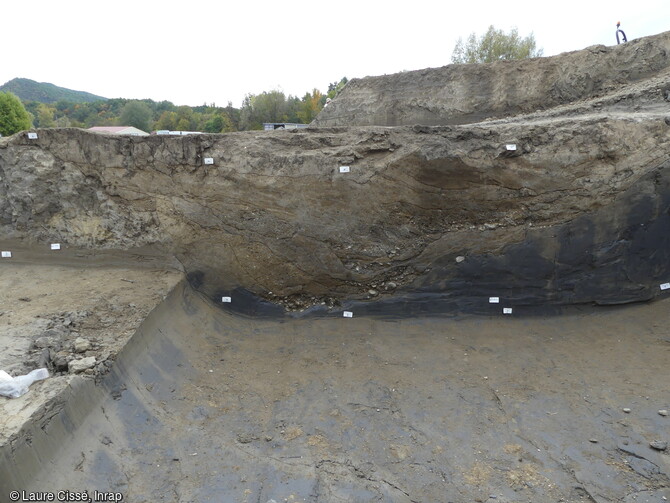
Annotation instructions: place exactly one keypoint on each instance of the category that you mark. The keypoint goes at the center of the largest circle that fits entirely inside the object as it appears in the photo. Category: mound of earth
(611, 79)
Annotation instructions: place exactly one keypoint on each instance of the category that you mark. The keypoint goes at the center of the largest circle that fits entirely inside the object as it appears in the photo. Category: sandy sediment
(52, 314)
(208, 405)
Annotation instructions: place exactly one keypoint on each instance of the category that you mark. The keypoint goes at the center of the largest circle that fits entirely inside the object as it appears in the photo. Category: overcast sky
(196, 51)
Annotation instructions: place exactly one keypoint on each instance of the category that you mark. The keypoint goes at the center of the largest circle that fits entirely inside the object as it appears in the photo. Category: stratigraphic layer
(426, 218)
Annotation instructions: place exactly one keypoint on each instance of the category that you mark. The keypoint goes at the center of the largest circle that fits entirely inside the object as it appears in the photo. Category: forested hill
(72, 110)
(43, 92)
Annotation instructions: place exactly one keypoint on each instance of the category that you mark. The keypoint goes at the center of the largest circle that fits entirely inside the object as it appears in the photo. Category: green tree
(64, 106)
(265, 107)
(13, 115)
(334, 88)
(187, 119)
(45, 116)
(312, 103)
(63, 121)
(167, 120)
(218, 123)
(495, 45)
(293, 107)
(137, 114)
(214, 124)
(163, 106)
(183, 124)
(234, 115)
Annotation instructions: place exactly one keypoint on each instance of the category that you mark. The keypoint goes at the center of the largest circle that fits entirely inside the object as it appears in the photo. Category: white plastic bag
(14, 387)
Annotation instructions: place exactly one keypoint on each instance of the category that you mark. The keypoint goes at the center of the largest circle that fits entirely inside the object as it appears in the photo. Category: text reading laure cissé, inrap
(65, 495)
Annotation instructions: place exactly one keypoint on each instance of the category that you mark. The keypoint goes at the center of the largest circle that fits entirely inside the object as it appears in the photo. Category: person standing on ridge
(619, 30)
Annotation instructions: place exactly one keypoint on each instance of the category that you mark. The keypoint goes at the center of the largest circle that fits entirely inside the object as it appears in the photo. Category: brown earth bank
(561, 207)
(577, 213)
(459, 94)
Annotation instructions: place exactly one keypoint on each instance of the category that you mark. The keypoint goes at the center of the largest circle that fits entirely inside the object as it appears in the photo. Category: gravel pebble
(658, 445)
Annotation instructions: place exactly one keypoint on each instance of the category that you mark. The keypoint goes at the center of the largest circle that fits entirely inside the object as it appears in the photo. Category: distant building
(269, 126)
(130, 130)
(175, 133)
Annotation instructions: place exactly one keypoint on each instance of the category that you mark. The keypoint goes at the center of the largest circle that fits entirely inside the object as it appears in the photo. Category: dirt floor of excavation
(204, 405)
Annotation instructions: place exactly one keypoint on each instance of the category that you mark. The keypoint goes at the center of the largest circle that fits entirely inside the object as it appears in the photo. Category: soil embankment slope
(577, 213)
(462, 94)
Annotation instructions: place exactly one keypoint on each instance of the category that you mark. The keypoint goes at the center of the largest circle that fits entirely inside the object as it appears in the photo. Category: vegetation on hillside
(13, 115)
(495, 45)
(29, 90)
(149, 115)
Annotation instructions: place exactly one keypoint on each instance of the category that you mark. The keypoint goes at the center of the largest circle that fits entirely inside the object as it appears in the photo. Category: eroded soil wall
(577, 213)
(462, 94)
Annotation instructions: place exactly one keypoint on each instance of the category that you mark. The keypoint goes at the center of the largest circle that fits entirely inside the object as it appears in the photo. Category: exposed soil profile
(451, 287)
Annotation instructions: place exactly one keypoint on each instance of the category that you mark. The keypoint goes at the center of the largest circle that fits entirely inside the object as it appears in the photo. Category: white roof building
(133, 131)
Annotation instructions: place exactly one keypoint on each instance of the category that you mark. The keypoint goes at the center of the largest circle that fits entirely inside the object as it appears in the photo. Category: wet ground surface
(205, 405)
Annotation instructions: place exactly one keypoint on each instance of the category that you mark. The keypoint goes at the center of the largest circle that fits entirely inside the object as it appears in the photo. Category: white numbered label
(6, 254)
(494, 300)
(344, 169)
(665, 286)
(32, 136)
(226, 299)
(209, 160)
(55, 246)
(507, 310)
(510, 146)
(348, 314)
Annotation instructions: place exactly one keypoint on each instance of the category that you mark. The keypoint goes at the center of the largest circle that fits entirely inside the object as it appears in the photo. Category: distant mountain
(29, 90)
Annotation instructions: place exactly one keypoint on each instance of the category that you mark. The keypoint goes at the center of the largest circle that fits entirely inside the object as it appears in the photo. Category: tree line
(149, 115)
(495, 45)
(271, 106)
